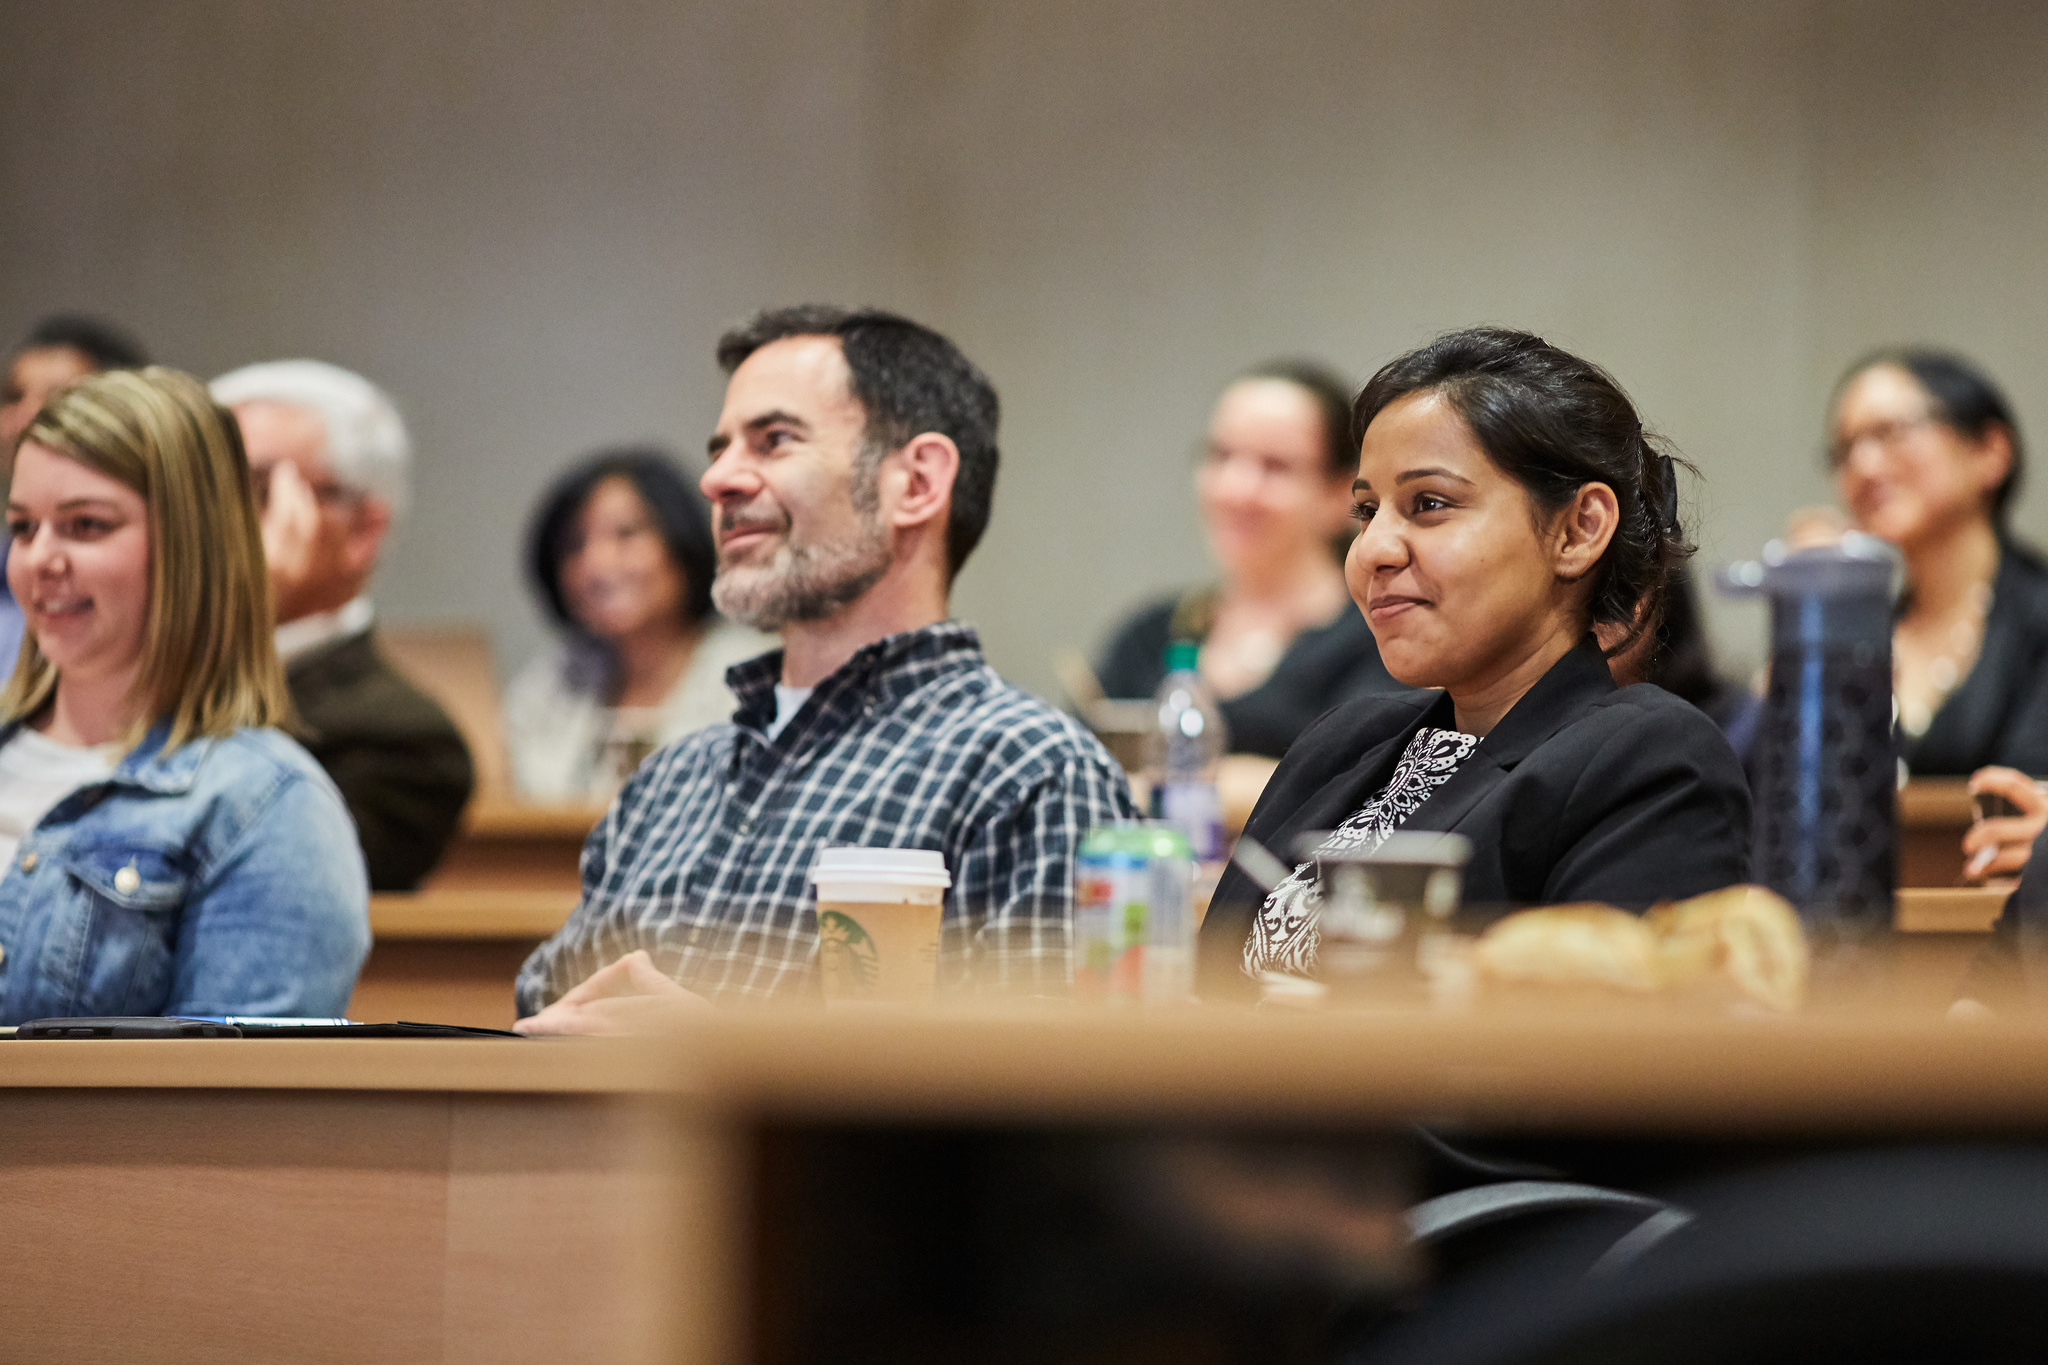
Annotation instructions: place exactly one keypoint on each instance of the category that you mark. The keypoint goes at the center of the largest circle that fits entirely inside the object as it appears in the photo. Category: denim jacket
(222, 877)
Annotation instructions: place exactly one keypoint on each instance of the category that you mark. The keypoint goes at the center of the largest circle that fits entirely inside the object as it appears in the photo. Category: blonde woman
(167, 849)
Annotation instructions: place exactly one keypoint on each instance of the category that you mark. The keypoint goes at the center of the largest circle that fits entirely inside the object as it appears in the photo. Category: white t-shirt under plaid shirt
(705, 858)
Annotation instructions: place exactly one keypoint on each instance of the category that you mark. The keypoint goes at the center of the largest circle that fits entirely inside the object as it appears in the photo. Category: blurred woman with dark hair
(1927, 455)
(621, 554)
(1280, 641)
(1509, 505)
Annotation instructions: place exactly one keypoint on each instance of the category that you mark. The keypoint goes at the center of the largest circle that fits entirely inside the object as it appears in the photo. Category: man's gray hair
(367, 445)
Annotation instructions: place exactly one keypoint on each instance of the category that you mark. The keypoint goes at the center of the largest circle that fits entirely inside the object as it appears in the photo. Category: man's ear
(923, 468)
(1583, 528)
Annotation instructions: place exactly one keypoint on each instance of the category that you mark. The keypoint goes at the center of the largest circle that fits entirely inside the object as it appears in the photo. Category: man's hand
(291, 533)
(631, 996)
(2000, 846)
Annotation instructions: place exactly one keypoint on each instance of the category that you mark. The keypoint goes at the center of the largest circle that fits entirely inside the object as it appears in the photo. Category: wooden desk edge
(547, 1066)
(499, 817)
(1614, 1070)
(1936, 802)
(470, 914)
(1947, 910)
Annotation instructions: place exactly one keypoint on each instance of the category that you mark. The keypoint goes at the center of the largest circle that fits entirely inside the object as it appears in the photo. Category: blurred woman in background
(1509, 506)
(167, 849)
(621, 554)
(1281, 641)
(1927, 456)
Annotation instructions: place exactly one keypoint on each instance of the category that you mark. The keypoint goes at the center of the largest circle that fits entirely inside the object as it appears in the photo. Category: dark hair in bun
(1555, 423)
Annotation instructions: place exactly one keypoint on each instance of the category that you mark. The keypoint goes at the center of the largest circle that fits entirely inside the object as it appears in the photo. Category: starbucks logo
(847, 954)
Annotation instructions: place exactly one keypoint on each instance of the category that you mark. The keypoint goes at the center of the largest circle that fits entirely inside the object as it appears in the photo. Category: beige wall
(528, 220)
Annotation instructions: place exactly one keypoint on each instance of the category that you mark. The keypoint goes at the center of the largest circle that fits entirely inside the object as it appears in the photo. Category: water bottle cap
(1182, 655)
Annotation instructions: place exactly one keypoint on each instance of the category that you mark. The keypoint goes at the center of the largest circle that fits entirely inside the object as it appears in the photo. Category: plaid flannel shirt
(705, 858)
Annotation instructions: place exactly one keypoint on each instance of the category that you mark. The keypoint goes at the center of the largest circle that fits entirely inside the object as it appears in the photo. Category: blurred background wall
(529, 220)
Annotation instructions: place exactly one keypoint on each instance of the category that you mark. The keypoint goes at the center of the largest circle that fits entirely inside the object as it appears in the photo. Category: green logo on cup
(846, 953)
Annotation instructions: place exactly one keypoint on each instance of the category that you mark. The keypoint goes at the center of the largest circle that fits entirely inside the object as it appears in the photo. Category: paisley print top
(1284, 937)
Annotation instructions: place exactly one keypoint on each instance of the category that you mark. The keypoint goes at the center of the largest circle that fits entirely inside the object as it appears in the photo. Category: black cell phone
(1992, 806)
(139, 1026)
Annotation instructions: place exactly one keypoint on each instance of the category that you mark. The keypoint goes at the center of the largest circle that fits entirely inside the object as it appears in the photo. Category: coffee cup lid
(902, 866)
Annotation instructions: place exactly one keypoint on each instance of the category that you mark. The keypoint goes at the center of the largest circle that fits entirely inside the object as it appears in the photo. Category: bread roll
(1572, 945)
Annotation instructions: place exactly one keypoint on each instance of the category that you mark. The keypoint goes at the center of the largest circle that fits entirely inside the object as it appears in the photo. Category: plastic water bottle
(1188, 740)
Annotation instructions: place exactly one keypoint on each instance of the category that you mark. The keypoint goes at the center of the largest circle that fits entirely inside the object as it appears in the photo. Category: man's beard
(803, 582)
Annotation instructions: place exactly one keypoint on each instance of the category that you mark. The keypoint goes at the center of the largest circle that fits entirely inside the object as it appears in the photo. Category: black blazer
(1323, 666)
(1584, 791)
(2000, 712)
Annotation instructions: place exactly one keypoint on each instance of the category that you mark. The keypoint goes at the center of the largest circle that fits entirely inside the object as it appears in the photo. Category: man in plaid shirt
(852, 472)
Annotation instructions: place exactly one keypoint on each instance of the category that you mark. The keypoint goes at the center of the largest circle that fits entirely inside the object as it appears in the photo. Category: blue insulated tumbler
(1824, 769)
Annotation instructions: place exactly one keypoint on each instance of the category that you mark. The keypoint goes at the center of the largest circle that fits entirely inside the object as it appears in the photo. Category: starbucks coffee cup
(878, 923)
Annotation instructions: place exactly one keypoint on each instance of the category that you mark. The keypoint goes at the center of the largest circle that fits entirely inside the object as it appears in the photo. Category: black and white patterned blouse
(1284, 936)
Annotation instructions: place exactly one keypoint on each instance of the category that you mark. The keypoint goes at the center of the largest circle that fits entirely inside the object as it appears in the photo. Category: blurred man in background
(329, 456)
(59, 349)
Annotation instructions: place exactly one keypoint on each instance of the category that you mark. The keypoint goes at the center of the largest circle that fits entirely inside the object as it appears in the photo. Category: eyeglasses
(1889, 435)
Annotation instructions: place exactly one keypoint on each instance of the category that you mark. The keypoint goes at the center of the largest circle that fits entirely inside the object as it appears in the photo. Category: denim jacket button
(127, 879)
(28, 862)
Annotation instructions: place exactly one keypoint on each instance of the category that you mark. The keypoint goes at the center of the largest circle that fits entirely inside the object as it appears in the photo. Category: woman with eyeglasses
(1280, 641)
(1927, 456)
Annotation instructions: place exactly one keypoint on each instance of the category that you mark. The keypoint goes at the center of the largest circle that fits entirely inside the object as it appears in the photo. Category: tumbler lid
(1857, 565)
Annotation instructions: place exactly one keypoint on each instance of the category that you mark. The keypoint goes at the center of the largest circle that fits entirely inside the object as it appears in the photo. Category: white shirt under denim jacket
(222, 877)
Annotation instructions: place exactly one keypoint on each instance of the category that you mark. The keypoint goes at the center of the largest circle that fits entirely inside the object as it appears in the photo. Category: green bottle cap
(1181, 655)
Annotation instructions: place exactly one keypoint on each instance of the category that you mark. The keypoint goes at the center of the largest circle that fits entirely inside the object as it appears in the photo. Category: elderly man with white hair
(329, 456)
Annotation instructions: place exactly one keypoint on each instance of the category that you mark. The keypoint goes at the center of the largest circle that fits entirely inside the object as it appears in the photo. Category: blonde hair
(209, 658)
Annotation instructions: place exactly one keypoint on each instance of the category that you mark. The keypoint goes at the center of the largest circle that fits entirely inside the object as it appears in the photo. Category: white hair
(367, 446)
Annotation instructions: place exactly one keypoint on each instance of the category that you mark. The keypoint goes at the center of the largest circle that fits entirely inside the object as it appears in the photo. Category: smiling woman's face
(79, 565)
(1450, 568)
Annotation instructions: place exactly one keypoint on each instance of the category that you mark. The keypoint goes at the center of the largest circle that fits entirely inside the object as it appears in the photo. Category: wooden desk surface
(1948, 909)
(474, 913)
(1627, 1065)
(1647, 1069)
(491, 817)
(1935, 801)
(553, 1066)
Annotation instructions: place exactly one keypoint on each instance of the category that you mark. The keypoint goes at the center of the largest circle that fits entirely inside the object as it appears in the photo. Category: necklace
(1945, 670)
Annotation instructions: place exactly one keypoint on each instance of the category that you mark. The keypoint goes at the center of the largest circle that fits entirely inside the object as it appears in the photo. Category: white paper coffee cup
(878, 923)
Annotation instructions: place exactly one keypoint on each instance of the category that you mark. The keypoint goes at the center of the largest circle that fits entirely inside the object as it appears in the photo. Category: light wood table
(1650, 1071)
(347, 1201)
(561, 1200)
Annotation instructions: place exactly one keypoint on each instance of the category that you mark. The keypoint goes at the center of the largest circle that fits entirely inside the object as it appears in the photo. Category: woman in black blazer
(1509, 504)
